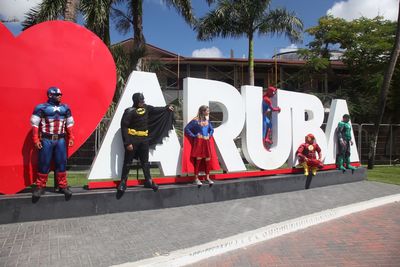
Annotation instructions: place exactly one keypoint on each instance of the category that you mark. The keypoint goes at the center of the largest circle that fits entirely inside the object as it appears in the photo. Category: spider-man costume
(52, 123)
(307, 153)
(267, 107)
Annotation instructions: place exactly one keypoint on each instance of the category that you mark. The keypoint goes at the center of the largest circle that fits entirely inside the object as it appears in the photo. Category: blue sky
(163, 27)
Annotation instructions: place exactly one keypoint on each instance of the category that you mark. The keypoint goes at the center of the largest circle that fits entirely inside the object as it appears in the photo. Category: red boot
(267, 139)
(63, 184)
(40, 185)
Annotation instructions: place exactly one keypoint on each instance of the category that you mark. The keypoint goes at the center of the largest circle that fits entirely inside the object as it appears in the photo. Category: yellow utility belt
(138, 133)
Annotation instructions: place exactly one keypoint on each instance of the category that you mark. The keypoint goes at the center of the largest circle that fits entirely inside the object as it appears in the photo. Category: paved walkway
(106, 240)
(368, 238)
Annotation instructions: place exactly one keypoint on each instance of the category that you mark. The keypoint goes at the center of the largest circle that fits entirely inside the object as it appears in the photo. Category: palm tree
(97, 17)
(384, 92)
(238, 18)
(133, 19)
(71, 10)
(51, 10)
(95, 12)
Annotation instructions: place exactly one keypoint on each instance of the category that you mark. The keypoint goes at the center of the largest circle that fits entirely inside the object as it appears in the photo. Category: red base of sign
(220, 176)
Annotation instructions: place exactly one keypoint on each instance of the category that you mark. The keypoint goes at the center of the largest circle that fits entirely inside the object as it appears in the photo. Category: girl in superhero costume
(267, 108)
(199, 152)
(52, 125)
(307, 153)
(142, 127)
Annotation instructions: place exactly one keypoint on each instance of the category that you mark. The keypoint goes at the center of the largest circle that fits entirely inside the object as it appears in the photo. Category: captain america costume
(51, 123)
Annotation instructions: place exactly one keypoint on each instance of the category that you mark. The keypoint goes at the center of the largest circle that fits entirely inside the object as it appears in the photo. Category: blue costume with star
(52, 118)
(52, 122)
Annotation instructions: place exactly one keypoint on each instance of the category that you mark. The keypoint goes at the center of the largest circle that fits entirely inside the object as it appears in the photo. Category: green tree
(318, 56)
(96, 14)
(70, 12)
(133, 20)
(366, 45)
(385, 91)
(370, 50)
(52, 10)
(245, 18)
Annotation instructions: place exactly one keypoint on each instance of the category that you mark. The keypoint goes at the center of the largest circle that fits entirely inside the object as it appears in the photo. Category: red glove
(35, 135)
(71, 136)
(278, 109)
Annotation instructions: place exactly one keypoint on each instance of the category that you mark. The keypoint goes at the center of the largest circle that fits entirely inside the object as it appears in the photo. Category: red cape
(188, 162)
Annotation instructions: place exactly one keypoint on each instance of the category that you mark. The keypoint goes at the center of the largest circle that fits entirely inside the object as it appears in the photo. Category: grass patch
(79, 179)
(385, 174)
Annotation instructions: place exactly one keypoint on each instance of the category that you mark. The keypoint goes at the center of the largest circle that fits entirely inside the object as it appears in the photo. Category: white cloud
(159, 2)
(353, 9)
(213, 52)
(289, 48)
(16, 9)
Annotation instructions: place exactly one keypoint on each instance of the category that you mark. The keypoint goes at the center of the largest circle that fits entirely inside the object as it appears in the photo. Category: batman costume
(143, 127)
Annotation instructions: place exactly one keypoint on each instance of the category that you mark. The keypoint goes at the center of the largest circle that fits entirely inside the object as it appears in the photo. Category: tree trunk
(106, 27)
(251, 59)
(71, 10)
(139, 48)
(384, 92)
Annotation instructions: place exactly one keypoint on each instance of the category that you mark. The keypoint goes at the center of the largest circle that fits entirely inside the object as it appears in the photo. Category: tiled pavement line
(194, 254)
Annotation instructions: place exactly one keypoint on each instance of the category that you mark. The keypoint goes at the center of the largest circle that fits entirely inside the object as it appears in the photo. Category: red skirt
(201, 148)
(188, 160)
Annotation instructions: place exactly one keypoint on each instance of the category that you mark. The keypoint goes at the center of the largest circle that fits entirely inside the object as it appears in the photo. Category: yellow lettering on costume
(138, 133)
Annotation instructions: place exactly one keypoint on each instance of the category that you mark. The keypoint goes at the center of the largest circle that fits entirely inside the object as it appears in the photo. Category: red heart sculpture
(54, 53)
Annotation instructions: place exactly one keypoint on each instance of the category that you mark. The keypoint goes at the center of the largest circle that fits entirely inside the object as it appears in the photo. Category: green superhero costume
(344, 141)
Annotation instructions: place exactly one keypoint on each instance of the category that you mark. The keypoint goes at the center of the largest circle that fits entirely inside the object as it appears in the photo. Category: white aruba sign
(242, 116)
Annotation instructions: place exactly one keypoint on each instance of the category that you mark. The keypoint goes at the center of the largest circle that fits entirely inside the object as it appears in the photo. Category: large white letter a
(108, 161)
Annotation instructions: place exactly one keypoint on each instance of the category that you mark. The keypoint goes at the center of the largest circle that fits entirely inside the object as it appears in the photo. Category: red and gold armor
(307, 153)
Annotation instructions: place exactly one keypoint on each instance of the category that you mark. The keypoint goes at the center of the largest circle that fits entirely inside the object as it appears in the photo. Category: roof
(170, 57)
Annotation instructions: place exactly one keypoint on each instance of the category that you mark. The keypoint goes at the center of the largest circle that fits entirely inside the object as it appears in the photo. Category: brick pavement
(367, 238)
(131, 236)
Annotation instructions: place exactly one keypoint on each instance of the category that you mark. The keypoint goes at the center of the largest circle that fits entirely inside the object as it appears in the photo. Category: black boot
(122, 185)
(37, 192)
(67, 192)
(148, 182)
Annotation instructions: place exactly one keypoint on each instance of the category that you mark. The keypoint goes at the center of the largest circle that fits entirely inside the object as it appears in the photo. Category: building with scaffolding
(285, 71)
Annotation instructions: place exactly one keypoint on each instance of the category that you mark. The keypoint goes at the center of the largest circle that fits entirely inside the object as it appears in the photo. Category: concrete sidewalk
(111, 239)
